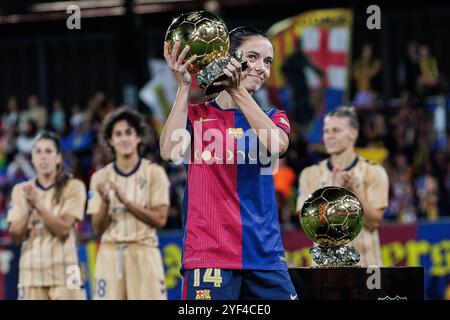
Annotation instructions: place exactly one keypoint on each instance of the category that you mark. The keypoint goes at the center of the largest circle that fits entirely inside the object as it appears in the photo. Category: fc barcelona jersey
(230, 215)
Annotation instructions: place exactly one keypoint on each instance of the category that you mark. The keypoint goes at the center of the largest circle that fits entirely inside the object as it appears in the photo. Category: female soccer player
(42, 216)
(232, 242)
(128, 200)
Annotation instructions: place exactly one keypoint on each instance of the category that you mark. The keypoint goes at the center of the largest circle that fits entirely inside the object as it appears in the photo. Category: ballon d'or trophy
(207, 37)
(332, 217)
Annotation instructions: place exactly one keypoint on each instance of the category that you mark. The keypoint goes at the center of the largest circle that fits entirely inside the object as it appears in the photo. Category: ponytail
(61, 179)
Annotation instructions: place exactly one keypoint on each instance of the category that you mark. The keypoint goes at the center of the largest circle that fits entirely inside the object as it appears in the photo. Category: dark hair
(133, 118)
(346, 112)
(237, 36)
(62, 175)
(240, 34)
(33, 128)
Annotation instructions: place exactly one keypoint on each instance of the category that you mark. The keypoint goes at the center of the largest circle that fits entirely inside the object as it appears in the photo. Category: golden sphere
(205, 33)
(332, 216)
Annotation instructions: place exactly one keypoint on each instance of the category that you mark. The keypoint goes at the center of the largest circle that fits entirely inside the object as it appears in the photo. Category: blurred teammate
(42, 216)
(232, 242)
(128, 201)
(368, 181)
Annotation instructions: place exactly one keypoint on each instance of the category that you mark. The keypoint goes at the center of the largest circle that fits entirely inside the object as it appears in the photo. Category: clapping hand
(104, 188)
(342, 178)
(31, 194)
(118, 192)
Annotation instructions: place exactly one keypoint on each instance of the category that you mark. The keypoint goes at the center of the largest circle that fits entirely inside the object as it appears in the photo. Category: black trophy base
(357, 283)
(212, 89)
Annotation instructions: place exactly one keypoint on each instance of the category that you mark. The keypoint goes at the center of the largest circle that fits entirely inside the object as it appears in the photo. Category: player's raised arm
(258, 53)
(59, 226)
(98, 205)
(376, 199)
(155, 216)
(18, 230)
(18, 216)
(177, 119)
(274, 139)
(305, 188)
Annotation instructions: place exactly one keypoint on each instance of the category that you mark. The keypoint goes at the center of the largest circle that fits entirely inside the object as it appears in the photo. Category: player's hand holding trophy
(207, 36)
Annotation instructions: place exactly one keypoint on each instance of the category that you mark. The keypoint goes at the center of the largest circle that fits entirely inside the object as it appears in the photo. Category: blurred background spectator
(295, 68)
(365, 70)
(428, 79)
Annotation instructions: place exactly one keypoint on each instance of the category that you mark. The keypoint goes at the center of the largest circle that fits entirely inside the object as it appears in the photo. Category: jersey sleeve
(159, 187)
(74, 199)
(280, 119)
(18, 206)
(94, 201)
(378, 187)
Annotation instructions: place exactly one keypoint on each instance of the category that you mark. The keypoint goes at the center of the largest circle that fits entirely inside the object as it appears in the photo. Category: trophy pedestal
(357, 283)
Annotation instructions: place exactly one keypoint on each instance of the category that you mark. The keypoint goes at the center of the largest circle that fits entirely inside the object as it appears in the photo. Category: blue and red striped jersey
(230, 214)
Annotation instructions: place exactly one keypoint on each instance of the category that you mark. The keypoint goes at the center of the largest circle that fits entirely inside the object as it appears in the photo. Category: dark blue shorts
(227, 284)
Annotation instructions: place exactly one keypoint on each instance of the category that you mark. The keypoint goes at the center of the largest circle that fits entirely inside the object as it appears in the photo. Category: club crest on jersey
(235, 133)
(285, 122)
(141, 182)
(204, 294)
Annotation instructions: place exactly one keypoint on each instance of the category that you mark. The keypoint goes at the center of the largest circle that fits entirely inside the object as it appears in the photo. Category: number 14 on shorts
(211, 275)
